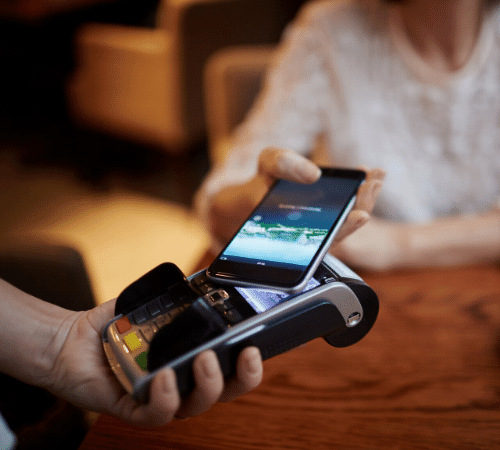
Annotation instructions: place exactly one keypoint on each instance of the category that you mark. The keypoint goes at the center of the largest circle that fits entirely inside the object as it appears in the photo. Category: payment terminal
(165, 319)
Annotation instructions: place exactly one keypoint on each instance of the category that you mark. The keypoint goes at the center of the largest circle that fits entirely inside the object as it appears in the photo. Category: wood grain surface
(426, 377)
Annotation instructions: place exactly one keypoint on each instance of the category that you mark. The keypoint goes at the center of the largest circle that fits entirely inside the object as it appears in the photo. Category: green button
(142, 361)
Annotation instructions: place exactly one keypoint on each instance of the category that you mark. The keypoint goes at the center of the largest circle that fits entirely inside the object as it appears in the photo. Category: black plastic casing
(342, 311)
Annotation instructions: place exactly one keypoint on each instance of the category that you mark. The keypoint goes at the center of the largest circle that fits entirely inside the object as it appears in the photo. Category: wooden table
(426, 377)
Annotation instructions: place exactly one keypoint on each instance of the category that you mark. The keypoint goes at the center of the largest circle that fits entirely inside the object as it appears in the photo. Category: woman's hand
(233, 204)
(448, 241)
(378, 246)
(277, 163)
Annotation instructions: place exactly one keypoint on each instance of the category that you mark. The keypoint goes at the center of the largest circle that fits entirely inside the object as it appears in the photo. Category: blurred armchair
(48, 269)
(146, 84)
(232, 80)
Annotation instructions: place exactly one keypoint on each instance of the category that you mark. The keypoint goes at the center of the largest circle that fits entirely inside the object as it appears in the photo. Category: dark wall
(212, 26)
(36, 58)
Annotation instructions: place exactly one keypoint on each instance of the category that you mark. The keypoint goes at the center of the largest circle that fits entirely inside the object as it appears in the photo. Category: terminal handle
(370, 304)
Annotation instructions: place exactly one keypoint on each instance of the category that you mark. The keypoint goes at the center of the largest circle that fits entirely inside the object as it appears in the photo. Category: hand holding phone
(284, 239)
(276, 163)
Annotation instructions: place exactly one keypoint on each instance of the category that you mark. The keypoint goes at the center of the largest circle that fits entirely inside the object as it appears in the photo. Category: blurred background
(111, 113)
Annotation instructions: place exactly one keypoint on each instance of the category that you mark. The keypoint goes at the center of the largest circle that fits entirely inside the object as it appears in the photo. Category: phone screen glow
(292, 222)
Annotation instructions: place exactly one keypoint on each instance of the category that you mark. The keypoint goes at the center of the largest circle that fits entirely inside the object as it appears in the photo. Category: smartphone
(166, 320)
(285, 238)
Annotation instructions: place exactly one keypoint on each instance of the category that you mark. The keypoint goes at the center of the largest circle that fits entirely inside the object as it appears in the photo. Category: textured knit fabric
(347, 74)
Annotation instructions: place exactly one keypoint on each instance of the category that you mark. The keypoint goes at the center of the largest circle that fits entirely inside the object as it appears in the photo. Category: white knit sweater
(348, 75)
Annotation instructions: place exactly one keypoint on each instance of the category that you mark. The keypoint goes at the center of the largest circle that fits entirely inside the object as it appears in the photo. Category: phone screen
(282, 237)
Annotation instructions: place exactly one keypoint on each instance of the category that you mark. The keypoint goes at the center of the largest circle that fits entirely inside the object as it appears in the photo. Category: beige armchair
(233, 78)
(146, 84)
(124, 85)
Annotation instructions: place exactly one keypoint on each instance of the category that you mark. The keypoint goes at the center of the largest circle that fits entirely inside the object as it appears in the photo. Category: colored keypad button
(123, 325)
(132, 341)
(142, 361)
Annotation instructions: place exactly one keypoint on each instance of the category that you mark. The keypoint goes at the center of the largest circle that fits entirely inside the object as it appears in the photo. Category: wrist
(432, 244)
(33, 331)
(405, 246)
(466, 239)
(56, 332)
(494, 217)
(417, 245)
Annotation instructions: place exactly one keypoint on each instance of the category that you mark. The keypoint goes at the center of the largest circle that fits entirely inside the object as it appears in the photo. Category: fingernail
(253, 362)
(309, 171)
(303, 168)
(210, 367)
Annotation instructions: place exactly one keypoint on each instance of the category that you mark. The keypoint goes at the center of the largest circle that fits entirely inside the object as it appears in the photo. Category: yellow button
(132, 341)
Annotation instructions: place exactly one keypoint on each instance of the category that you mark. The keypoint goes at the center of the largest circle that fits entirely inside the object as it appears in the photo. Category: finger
(209, 383)
(100, 315)
(277, 163)
(369, 191)
(249, 372)
(164, 401)
(365, 202)
(356, 219)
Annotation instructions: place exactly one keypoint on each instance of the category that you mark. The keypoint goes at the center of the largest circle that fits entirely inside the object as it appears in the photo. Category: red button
(123, 325)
